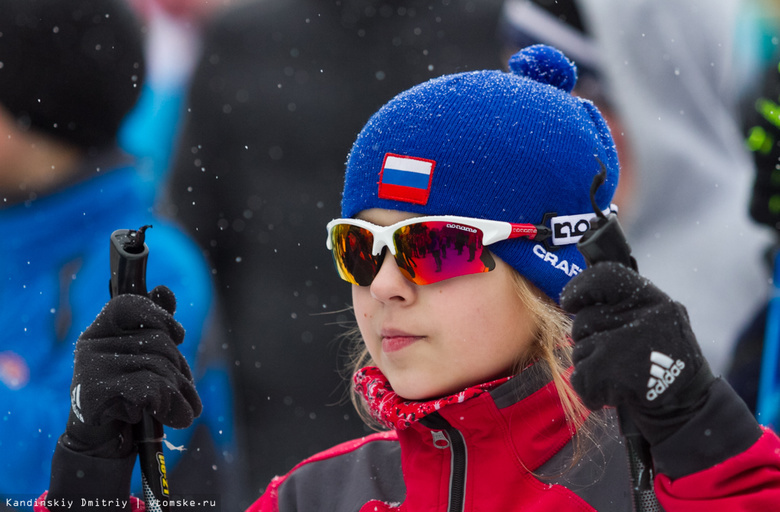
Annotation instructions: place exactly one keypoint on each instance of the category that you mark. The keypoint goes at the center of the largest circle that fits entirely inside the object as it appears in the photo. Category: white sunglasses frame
(492, 230)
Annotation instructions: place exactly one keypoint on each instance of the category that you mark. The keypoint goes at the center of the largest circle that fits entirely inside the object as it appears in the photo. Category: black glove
(634, 347)
(126, 362)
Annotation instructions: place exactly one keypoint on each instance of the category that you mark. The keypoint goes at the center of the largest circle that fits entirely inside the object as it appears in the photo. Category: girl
(463, 200)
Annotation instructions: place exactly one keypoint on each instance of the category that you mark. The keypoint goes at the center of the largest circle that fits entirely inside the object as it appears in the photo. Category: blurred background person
(71, 70)
(759, 43)
(279, 94)
(671, 96)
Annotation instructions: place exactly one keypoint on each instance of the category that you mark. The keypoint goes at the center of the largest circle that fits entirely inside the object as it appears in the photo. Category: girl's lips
(392, 342)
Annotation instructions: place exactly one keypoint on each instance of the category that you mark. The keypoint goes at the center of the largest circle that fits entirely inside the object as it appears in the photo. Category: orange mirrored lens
(352, 254)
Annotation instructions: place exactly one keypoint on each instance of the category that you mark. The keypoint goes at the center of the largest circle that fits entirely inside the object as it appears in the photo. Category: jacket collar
(395, 412)
(524, 411)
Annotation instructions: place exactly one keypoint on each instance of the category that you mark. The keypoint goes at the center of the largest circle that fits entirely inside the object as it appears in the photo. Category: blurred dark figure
(763, 139)
(281, 91)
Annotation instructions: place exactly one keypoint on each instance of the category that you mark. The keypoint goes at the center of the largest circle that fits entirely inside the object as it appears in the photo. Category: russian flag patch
(406, 178)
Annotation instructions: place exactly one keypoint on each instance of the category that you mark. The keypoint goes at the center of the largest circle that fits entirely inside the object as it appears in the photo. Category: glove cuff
(725, 424)
(75, 476)
(111, 441)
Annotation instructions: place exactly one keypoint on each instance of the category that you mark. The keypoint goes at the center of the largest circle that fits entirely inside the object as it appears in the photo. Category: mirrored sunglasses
(426, 249)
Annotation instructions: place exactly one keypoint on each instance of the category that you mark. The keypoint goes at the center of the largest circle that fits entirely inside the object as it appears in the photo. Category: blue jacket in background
(55, 272)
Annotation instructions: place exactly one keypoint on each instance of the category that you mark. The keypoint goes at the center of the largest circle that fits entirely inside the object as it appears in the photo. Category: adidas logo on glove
(663, 372)
(75, 402)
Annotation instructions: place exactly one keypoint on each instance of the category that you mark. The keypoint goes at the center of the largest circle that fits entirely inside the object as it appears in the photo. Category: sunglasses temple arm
(535, 232)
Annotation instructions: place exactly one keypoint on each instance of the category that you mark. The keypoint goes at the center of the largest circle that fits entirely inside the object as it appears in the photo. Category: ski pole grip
(128, 257)
(605, 241)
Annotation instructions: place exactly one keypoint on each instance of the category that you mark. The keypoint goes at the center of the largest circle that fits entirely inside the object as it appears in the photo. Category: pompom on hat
(71, 68)
(513, 146)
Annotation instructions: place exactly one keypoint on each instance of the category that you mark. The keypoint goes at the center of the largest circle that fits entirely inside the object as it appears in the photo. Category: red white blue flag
(406, 178)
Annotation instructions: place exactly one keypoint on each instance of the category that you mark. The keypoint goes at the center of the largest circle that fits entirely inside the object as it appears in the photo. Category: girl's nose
(390, 284)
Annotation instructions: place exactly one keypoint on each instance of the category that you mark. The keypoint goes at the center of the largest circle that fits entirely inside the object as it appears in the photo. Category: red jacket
(504, 446)
(506, 449)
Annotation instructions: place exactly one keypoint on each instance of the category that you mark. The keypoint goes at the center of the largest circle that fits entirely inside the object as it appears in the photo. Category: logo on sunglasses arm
(570, 269)
(406, 178)
(462, 228)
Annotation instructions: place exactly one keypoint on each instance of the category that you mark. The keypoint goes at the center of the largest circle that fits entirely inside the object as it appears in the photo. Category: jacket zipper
(446, 436)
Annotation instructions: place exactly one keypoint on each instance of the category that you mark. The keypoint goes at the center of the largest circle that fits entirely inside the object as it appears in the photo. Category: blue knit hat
(516, 147)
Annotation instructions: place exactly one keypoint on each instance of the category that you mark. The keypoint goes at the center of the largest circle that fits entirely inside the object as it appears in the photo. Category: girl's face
(438, 339)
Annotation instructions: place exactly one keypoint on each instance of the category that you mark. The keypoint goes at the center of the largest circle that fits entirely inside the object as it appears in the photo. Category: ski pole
(128, 256)
(605, 241)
